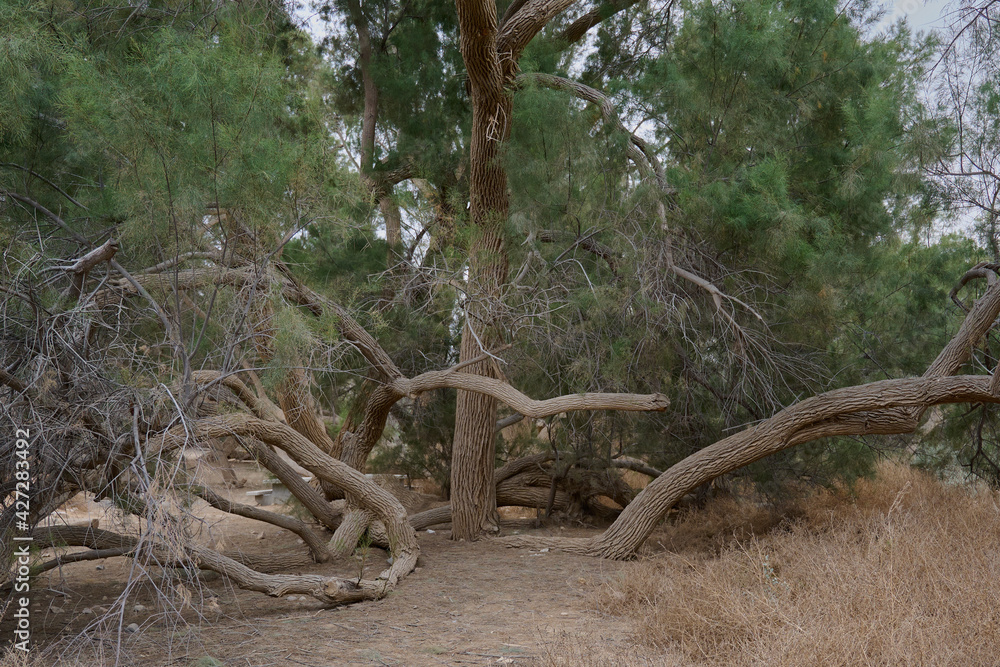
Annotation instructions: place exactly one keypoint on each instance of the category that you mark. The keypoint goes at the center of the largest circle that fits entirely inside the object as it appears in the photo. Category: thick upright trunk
(473, 492)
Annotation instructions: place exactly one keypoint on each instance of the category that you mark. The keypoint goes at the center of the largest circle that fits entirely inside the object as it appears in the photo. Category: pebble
(99, 567)
(139, 608)
(56, 610)
(87, 611)
(132, 627)
(430, 531)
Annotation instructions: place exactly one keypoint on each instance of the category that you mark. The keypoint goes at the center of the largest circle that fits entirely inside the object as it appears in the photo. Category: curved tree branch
(889, 406)
(637, 149)
(578, 28)
(530, 407)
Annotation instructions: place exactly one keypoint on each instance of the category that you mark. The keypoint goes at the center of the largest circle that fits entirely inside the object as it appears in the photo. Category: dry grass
(11, 657)
(902, 571)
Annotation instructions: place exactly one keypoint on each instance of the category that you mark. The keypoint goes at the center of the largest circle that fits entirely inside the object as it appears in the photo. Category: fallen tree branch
(641, 516)
(509, 420)
(636, 465)
(317, 546)
(383, 505)
(260, 407)
(330, 590)
(81, 267)
(66, 559)
(310, 498)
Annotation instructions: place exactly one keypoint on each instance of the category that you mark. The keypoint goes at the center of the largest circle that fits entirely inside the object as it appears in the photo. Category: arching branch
(889, 406)
(637, 149)
(604, 10)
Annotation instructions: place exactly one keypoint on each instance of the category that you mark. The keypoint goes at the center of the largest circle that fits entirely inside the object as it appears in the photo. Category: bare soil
(466, 604)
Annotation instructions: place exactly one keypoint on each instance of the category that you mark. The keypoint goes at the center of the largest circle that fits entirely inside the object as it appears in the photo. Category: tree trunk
(473, 493)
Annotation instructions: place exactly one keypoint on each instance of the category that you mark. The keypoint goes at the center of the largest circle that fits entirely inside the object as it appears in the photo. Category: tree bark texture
(473, 494)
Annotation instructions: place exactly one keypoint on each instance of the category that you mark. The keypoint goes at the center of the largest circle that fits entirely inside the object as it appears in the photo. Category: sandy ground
(466, 604)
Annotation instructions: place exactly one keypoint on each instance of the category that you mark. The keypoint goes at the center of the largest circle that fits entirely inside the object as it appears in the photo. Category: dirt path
(466, 604)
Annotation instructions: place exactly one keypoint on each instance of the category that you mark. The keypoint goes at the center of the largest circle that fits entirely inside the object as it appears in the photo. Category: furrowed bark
(473, 494)
(478, 391)
(347, 536)
(310, 498)
(528, 21)
(791, 426)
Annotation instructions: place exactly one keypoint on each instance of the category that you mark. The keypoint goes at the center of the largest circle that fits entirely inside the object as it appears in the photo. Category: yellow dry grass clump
(901, 570)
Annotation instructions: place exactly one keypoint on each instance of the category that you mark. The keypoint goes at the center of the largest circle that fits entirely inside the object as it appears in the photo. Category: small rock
(543, 551)
(132, 627)
(261, 536)
(139, 608)
(389, 560)
(430, 531)
(56, 610)
(99, 567)
(87, 611)
(104, 597)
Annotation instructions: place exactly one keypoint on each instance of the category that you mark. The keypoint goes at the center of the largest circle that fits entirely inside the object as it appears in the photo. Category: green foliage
(29, 57)
(790, 133)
